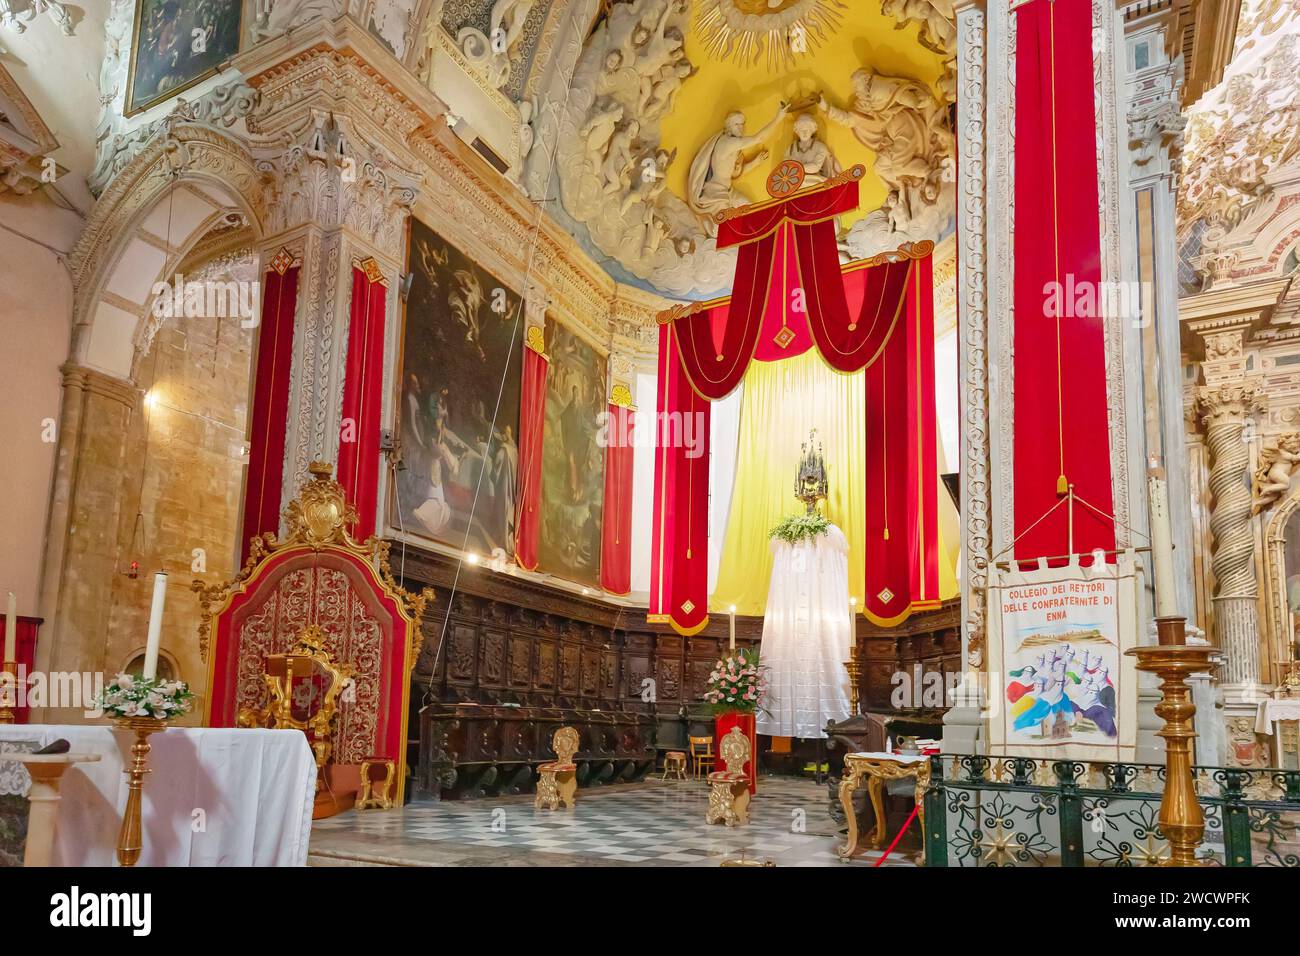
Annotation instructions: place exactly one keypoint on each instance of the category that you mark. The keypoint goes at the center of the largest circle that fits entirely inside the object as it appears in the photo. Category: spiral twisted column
(1225, 410)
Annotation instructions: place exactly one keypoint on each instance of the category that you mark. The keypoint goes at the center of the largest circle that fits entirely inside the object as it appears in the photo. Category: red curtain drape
(790, 291)
(902, 545)
(269, 414)
(363, 375)
(679, 558)
(532, 421)
(1061, 427)
(716, 354)
(616, 530)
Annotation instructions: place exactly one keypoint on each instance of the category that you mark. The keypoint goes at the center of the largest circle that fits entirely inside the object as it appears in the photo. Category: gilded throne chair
(728, 787)
(303, 687)
(558, 780)
(314, 634)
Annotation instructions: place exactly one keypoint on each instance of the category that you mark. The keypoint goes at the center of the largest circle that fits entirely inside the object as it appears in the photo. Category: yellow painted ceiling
(866, 37)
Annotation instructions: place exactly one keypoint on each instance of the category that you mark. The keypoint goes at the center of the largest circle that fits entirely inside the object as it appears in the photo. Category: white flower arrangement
(129, 696)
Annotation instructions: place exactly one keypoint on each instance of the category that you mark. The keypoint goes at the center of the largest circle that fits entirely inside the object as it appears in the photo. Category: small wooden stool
(674, 763)
(379, 798)
(558, 780)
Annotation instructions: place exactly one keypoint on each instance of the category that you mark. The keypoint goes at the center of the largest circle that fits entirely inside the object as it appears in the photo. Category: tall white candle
(11, 629)
(155, 626)
(731, 613)
(1162, 544)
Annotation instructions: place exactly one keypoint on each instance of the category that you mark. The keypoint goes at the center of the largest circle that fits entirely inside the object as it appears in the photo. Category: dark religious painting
(177, 43)
(573, 463)
(460, 456)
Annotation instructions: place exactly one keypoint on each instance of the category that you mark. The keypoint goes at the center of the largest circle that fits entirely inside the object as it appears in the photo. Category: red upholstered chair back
(317, 575)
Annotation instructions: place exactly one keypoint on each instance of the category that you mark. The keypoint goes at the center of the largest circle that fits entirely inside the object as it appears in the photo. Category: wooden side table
(878, 768)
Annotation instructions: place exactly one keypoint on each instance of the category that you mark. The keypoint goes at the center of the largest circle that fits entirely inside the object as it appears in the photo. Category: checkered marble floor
(648, 824)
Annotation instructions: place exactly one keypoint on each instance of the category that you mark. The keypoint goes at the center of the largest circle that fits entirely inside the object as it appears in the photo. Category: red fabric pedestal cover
(722, 727)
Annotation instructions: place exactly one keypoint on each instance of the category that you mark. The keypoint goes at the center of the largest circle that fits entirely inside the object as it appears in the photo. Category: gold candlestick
(8, 691)
(129, 838)
(854, 667)
(1173, 661)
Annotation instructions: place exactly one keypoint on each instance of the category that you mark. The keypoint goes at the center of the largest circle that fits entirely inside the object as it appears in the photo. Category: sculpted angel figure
(710, 186)
(618, 158)
(659, 91)
(654, 177)
(938, 21)
(1273, 476)
(906, 127)
(599, 129)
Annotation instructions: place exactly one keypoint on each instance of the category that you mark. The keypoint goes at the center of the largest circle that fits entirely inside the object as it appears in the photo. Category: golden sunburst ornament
(782, 30)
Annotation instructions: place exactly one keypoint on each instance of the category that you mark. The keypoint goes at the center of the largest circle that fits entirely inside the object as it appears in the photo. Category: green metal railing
(1016, 811)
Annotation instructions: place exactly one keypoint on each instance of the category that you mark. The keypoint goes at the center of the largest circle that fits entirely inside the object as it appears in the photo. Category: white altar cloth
(806, 640)
(218, 796)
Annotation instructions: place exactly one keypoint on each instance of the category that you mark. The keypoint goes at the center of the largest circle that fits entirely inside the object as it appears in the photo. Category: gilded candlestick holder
(8, 692)
(854, 668)
(1173, 661)
(129, 837)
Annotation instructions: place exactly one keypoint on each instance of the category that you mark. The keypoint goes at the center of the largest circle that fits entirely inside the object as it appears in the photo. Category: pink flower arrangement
(737, 682)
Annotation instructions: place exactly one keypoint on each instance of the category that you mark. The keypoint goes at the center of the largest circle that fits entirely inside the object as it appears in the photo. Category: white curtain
(724, 435)
(806, 637)
(643, 482)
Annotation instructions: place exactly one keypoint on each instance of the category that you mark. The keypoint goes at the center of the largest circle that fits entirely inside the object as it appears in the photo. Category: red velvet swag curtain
(1061, 427)
(270, 410)
(878, 316)
(616, 531)
(532, 421)
(362, 396)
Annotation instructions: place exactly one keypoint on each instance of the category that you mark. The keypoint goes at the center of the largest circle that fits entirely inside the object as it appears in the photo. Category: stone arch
(187, 180)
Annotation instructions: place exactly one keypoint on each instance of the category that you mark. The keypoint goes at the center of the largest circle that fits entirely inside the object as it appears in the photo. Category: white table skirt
(217, 796)
(806, 637)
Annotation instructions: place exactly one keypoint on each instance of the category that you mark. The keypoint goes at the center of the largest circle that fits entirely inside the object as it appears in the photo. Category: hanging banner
(363, 374)
(270, 409)
(1060, 684)
(532, 422)
(1062, 431)
(679, 547)
(616, 529)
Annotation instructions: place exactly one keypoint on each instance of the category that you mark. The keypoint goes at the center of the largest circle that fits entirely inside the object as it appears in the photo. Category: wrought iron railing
(1016, 811)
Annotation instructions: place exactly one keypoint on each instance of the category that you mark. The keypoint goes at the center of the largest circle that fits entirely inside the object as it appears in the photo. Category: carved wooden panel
(546, 665)
(520, 675)
(570, 655)
(461, 653)
(492, 661)
(590, 682)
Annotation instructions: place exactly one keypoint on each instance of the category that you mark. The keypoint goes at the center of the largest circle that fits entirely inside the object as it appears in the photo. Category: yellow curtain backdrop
(782, 402)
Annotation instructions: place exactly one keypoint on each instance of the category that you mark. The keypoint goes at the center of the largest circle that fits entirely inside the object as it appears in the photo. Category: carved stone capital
(1229, 402)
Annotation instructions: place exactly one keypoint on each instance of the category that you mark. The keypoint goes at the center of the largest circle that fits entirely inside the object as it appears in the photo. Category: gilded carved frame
(1279, 629)
(317, 521)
